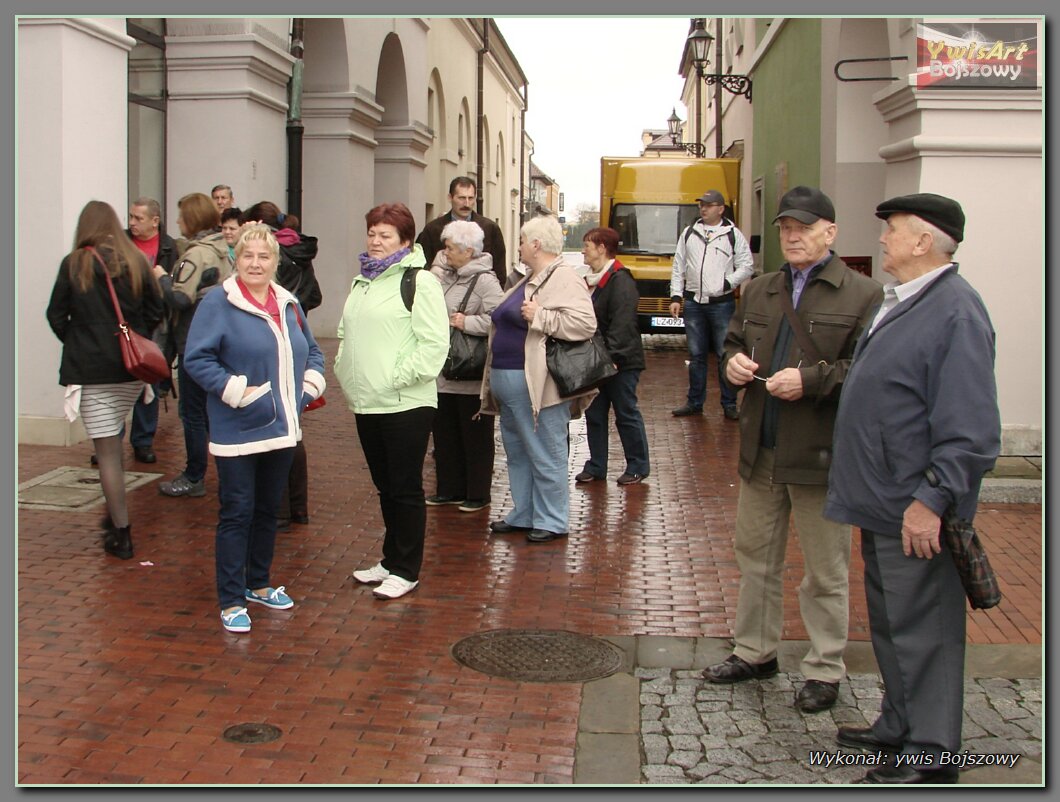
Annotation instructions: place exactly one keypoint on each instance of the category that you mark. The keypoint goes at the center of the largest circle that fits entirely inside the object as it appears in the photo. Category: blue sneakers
(236, 621)
(273, 597)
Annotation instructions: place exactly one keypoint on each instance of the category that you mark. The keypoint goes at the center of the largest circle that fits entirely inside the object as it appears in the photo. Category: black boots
(117, 541)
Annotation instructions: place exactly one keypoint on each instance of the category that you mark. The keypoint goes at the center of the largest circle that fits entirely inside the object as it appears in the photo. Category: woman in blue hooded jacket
(251, 350)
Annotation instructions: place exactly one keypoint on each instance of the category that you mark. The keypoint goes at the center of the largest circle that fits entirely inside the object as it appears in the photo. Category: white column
(984, 149)
(72, 128)
(227, 117)
(338, 169)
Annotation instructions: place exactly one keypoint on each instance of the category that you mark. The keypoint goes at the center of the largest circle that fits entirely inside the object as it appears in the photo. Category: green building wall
(787, 120)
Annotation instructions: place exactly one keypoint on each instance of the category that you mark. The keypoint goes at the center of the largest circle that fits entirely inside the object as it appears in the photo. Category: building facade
(388, 109)
(836, 104)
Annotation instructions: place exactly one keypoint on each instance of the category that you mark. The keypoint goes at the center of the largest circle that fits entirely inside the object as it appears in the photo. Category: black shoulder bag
(467, 352)
(577, 366)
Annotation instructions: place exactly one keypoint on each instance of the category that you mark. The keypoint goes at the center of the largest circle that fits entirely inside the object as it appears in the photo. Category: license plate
(668, 322)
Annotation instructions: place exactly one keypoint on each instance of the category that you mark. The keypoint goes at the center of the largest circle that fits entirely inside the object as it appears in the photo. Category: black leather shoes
(908, 775)
(144, 455)
(543, 535)
(816, 696)
(731, 413)
(504, 528)
(862, 738)
(686, 410)
(736, 670)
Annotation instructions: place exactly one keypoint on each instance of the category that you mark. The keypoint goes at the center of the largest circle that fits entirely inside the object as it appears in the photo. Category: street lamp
(700, 41)
(673, 125)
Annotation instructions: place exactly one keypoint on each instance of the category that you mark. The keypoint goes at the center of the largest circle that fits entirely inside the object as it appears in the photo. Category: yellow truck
(649, 201)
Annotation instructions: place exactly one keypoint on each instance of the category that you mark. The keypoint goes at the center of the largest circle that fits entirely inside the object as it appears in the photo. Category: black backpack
(408, 286)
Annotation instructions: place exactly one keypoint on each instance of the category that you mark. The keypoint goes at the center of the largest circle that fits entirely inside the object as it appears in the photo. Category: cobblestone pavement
(693, 731)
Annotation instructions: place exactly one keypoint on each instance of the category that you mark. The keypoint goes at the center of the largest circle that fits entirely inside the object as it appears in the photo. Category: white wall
(72, 129)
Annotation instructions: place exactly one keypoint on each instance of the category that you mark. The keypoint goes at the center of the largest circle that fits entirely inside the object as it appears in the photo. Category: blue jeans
(705, 327)
(192, 409)
(249, 488)
(537, 457)
(144, 421)
(618, 392)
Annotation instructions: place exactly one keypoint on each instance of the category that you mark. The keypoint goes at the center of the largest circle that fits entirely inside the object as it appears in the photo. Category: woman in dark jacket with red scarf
(615, 297)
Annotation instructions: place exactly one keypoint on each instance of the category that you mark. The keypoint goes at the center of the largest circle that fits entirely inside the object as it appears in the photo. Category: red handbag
(142, 358)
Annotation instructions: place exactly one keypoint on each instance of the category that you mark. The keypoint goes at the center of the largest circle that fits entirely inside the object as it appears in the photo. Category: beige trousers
(762, 514)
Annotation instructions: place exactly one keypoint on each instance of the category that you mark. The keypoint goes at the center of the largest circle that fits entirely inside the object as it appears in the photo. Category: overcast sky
(594, 85)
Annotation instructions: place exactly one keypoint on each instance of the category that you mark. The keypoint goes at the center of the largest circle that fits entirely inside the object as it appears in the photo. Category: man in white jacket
(711, 260)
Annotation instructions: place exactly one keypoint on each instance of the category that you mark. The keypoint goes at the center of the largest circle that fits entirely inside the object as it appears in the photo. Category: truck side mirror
(755, 243)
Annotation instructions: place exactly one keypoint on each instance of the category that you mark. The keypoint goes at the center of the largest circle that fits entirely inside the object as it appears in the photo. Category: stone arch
(464, 148)
(486, 181)
(438, 154)
(392, 168)
(500, 175)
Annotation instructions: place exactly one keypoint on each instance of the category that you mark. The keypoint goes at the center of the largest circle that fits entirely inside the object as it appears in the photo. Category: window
(651, 228)
(147, 109)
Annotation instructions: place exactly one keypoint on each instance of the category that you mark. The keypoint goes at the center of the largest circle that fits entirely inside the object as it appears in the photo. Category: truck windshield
(649, 228)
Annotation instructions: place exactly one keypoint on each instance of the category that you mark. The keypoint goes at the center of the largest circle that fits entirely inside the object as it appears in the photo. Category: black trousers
(295, 499)
(395, 445)
(463, 448)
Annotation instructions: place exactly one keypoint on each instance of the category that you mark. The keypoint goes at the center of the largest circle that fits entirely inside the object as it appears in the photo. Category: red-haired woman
(388, 360)
(615, 299)
(81, 313)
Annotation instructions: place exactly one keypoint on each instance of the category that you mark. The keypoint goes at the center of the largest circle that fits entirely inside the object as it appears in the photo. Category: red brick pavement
(126, 676)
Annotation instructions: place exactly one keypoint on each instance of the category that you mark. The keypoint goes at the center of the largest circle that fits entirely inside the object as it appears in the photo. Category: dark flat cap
(712, 196)
(942, 212)
(807, 205)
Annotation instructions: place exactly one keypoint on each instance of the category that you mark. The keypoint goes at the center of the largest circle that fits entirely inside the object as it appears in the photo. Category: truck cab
(649, 201)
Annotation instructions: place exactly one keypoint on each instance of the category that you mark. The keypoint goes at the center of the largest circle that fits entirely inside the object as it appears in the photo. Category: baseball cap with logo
(807, 205)
(711, 196)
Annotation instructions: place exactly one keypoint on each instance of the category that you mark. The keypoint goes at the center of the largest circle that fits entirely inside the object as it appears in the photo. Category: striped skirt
(104, 407)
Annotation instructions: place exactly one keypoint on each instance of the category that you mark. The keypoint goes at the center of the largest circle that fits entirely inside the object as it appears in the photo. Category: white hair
(940, 240)
(465, 234)
(547, 231)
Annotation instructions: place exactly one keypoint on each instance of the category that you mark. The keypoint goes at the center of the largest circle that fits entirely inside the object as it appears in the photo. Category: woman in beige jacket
(552, 301)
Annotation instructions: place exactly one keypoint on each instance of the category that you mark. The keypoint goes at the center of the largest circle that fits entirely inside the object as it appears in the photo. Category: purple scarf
(370, 268)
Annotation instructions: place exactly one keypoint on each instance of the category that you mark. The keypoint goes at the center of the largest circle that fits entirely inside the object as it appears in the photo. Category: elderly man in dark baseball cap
(925, 367)
(789, 347)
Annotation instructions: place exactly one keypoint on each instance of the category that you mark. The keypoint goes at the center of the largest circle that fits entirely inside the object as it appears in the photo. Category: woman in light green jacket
(391, 350)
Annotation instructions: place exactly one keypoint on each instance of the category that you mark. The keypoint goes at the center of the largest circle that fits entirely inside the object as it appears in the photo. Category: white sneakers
(371, 576)
(394, 587)
(391, 586)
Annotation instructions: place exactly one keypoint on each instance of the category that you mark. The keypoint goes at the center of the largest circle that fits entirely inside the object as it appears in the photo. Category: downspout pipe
(294, 121)
(718, 96)
(481, 113)
(523, 211)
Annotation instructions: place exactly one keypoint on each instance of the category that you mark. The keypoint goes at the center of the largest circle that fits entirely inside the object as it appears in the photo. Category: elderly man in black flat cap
(917, 428)
(790, 345)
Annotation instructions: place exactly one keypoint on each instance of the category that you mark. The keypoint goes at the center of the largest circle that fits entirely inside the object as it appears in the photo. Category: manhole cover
(252, 733)
(535, 655)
